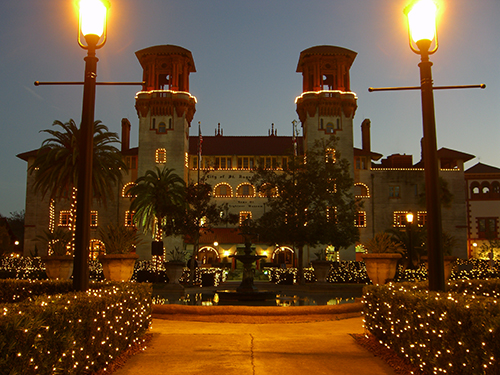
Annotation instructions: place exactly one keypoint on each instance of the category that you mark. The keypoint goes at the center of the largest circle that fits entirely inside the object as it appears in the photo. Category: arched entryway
(284, 256)
(207, 256)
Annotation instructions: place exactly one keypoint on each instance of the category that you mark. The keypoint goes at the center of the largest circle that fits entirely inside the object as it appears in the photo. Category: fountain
(247, 291)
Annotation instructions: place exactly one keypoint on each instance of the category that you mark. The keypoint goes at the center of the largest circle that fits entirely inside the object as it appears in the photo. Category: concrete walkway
(226, 344)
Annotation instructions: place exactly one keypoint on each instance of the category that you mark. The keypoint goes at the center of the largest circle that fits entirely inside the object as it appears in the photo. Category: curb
(166, 310)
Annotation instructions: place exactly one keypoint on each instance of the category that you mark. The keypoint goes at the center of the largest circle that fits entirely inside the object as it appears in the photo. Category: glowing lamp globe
(421, 16)
(409, 217)
(93, 22)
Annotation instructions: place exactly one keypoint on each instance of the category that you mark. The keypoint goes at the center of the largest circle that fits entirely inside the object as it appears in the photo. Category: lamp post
(92, 26)
(409, 223)
(422, 31)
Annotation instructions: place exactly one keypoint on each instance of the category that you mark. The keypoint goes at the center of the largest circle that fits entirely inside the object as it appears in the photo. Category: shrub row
(73, 333)
(342, 272)
(455, 332)
(20, 290)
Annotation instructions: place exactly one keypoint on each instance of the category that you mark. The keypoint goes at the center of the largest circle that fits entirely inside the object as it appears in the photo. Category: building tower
(326, 105)
(165, 108)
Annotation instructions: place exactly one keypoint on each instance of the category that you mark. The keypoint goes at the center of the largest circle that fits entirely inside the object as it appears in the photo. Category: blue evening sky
(246, 53)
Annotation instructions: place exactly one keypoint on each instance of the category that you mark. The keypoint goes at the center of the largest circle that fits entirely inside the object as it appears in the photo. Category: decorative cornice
(163, 103)
(328, 102)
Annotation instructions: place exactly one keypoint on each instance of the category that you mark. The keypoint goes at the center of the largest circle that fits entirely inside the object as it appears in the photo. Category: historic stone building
(483, 207)
(388, 189)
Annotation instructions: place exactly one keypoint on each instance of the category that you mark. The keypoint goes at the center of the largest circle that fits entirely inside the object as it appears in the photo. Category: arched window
(283, 256)
(485, 190)
(475, 190)
(361, 190)
(223, 190)
(495, 190)
(126, 188)
(245, 190)
(162, 128)
(267, 190)
(329, 128)
(208, 255)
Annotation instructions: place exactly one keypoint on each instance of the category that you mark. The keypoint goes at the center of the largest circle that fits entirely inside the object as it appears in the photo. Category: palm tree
(159, 196)
(56, 241)
(55, 166)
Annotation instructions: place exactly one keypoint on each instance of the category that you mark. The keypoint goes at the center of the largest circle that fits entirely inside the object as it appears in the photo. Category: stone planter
(174, 271)
(381, 267)
(449, 261)
(58, 267)
(118, 267)
(321, 269)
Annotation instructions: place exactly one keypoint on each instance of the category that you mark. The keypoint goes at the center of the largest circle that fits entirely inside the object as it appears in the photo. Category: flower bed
(72, 332)
(456, 332)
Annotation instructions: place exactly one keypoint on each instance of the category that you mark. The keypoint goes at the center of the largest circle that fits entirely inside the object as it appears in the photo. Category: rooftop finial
(272, 132)
(218, 132)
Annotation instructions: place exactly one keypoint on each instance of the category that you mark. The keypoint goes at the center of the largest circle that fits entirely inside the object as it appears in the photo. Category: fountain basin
(235, 295)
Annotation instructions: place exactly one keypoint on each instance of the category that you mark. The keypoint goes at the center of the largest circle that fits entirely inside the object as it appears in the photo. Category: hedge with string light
(73, 333)
(457, 332)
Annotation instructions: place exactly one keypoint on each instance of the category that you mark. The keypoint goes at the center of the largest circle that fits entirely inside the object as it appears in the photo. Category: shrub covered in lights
(75, 333)
(457, 332)
(20, 290)
(25, 268)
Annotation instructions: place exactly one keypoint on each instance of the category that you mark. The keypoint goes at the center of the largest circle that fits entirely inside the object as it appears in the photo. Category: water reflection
(282, 299)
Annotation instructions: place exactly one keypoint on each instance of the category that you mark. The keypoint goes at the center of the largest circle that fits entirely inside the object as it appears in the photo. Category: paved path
(284, 346)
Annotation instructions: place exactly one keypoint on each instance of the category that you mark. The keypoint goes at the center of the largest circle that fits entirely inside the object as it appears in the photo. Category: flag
(294, 138)
(200, 141)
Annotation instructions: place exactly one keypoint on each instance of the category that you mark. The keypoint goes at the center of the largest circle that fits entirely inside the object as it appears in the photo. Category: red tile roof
(224, 145)
(481, 168)
(221, 235)
(371, 154)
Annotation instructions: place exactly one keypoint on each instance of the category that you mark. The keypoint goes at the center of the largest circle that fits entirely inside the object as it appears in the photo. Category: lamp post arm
(38, 83)
(374, 89)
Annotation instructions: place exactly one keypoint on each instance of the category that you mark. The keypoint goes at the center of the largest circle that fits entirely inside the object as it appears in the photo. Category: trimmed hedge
(73, 333)
(20, 290)
(456, 332)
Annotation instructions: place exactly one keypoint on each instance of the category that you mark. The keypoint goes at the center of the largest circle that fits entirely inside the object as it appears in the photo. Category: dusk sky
(246, 54)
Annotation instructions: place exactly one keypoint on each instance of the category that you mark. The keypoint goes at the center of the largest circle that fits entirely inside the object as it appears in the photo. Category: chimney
(125, 134)
(365, 135)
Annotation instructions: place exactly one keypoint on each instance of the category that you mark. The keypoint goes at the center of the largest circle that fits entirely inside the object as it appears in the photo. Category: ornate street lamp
(409, 223)
(422, 32)
(92, 26)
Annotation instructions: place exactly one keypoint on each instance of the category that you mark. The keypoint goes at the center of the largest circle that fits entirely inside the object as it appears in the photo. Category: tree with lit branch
(310, 202)
(198, 216)
(56, 164)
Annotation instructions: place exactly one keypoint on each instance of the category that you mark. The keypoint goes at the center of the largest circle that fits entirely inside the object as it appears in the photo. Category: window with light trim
(93, 219)
(245, 215)
(129, 218)
(400, 219)
(161, 156)
(330, 155)
(245, 190)
(64, 218)
(360, 221)
(126, 188)
(223, 190)
(422, 218)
